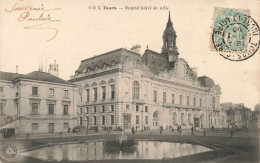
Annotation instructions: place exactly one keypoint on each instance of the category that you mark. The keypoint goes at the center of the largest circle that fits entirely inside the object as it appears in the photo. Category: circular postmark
(236, 37)
(9, 151)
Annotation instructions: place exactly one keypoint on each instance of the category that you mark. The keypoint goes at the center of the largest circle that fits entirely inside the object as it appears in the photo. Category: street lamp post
(142, 120)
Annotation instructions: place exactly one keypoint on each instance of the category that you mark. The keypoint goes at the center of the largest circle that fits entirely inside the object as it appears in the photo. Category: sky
(83, 32)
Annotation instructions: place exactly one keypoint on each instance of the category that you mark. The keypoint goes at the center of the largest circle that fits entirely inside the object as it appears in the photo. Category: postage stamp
(9, 151)
(235, 34)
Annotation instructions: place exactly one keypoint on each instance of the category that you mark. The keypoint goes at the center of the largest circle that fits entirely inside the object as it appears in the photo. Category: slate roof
(35, 75)
(8, 76)
(44, 76)
(206, 81)
(118, 56)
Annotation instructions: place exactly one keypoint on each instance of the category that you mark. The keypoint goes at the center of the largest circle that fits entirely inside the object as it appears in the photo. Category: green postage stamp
(235, 34)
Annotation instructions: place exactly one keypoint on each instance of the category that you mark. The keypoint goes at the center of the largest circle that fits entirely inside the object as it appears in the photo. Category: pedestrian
(192, 130)
(133, 130)
(172, 129)
(232, 132)
(204, 132)
(180, 130)
(161, 129)
(69, 130)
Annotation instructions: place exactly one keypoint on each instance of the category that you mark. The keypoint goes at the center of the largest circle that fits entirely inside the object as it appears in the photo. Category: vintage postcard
(129, 81)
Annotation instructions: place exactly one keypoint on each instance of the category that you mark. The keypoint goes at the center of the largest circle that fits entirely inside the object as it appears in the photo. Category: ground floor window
(51, 127)
(66, 125)
(146, 119)
(137, 119)
(34, 126)
(95, 120)
(1, 108)
(103, 120)
(80, 120)
(112, 119)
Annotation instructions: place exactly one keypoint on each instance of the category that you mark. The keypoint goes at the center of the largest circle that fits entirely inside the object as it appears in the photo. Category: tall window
(80, 120)
(182, 118)
(112, 108)
(112, 91)
(51, 108)
(95, 109)
(95, 120)
(137, 119)
(194, 101)
(112, 119)
(51, 91)
(87, 110)
(213, 102)
(200, 102)
(146, 109)
(66, 93)
(188, 100)
(95, 93)
(1, 90)
(103, 120)
(172, 98)
(34, 90)
(103, 109)
(137, 108)
(34, 108)
(103, 92)
(146, 119)
(87, 95)
(154, 96)
(1, 108)
(164, 97)
(136, 89)
(180, 99)
(66, 109)
(80, 110)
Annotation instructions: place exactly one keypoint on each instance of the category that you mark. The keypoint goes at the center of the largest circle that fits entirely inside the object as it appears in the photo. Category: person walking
(133, 130)
(231, 133)
(180, 130)
(172, 129)
(204, 132)
(192, 130)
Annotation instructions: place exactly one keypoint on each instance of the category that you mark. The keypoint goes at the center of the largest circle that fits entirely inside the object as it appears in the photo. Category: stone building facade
(37, 103)
(123, 88)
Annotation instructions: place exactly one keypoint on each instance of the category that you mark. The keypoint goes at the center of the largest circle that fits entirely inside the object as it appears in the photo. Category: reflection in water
(95, 151)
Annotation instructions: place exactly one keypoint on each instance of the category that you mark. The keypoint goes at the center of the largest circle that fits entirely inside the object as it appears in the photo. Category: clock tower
(169, 48)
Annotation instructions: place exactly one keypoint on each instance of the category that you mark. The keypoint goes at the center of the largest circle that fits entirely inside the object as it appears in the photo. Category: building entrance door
(156, 119)
(127, 122)
(196, 122)
(51, 127)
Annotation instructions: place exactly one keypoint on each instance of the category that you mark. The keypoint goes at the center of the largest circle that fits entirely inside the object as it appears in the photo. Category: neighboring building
(255, 116)
(37, 102)
(237, 115)
(123, 89)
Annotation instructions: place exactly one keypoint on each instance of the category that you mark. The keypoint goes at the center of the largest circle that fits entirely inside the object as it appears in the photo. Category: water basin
(95, 151)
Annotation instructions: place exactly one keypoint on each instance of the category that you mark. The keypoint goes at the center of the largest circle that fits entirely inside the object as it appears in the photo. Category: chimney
(17, 69)
(136, 48)
(53, 69)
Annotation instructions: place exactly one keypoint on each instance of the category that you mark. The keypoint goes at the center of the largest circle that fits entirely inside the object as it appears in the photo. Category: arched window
(155, 118)
(174, 119)
(182, 118)
(190, 120)
(213, 102)
(136, 90)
